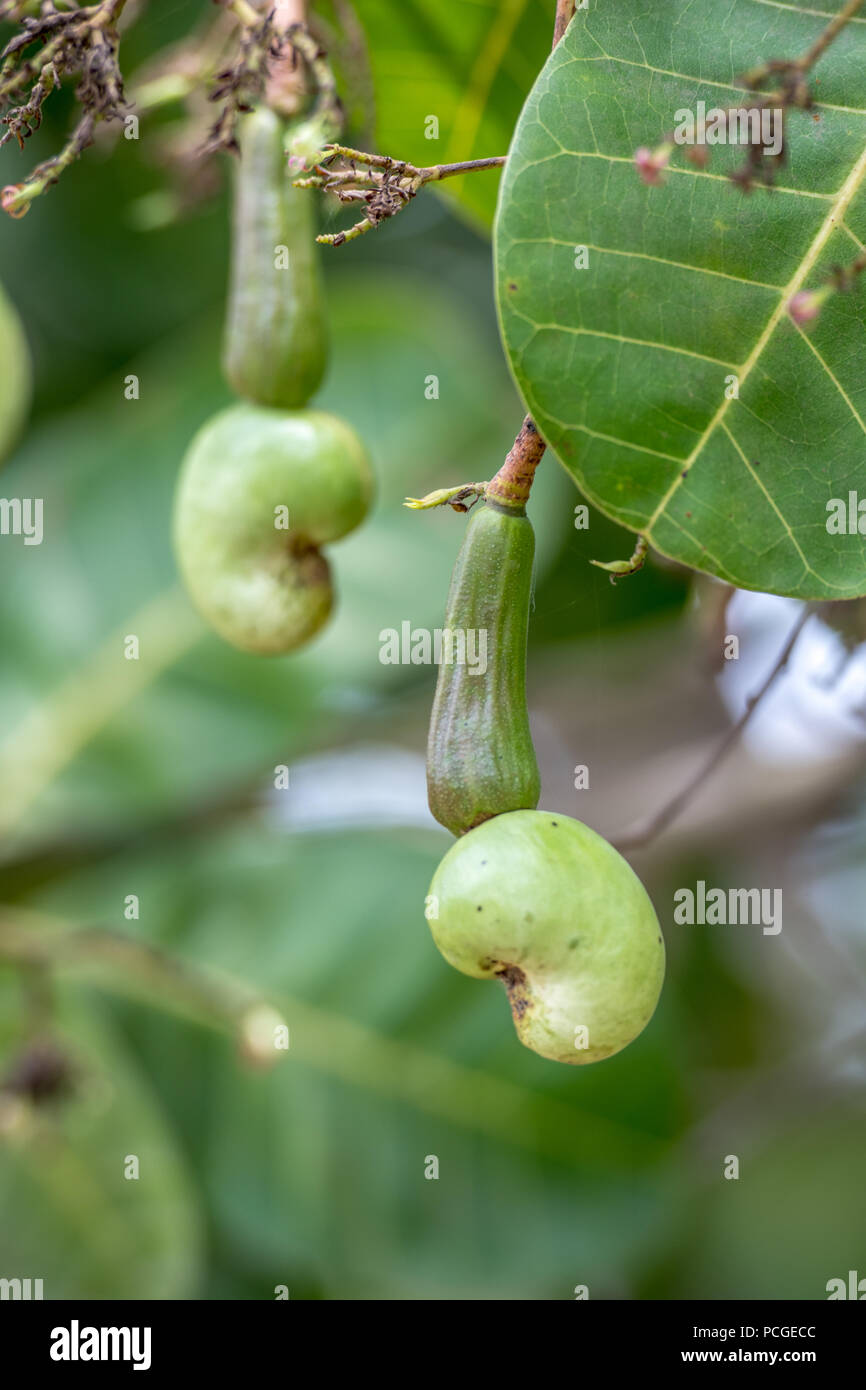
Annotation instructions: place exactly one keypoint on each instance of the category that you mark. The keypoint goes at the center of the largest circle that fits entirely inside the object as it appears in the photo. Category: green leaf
(625, 363)
(468, 65)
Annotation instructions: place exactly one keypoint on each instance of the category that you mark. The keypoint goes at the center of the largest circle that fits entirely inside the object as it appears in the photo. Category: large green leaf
(625, 363)
(470, 65)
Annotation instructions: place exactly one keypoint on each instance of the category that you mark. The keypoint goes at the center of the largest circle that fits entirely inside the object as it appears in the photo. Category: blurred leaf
(70, 1217)
(793, 1219)
(318, 1167)
(470, 66)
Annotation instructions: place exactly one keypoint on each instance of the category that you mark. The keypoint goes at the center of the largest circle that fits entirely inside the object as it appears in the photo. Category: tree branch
(139, 969)
(564, 15)
(663, 817)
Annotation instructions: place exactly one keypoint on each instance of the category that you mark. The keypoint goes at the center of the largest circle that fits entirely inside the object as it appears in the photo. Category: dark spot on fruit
(514, 981)
(660, 941)
(478, 909)
(554, 822)
(573, 942)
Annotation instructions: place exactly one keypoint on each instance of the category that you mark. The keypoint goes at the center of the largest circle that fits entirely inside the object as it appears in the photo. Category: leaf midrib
(831, 222)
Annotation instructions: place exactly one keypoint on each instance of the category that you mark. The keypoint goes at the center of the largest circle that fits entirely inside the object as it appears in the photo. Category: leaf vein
(644, 256)
(834, 217)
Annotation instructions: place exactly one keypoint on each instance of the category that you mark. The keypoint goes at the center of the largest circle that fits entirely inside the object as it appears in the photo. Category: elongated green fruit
(480, 758)
(275, 349)
(259, 492)
(15, 375)
(546, 906)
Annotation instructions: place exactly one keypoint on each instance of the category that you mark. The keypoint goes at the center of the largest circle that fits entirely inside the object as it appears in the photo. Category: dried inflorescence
(237, 86)
(775, 88)
(56, 44)
(49, 47)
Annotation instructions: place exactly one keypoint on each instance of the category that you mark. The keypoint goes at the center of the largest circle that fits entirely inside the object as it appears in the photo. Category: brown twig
(564, 15)
(383, 184)
(511, 486)
(765, 153)
(140, 969)
(667, 813)
(824, 40)
(284, 85)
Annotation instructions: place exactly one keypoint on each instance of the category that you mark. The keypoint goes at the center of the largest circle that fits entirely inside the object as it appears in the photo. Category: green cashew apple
(544, 904)
(15, 375)
(259, 492)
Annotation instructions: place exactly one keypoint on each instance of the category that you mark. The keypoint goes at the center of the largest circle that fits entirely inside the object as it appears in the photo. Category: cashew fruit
(548, 907)
(480, 758)
(275, 349)
(15, 375)
(259, 492)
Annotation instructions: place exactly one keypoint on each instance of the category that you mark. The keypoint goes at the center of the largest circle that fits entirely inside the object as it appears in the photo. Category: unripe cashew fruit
(264, 585)
(547, 906)
(480, 758)
(15, 375)
(276, 347)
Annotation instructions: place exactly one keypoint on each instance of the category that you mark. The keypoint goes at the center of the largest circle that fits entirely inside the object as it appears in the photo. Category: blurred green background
(156, 778)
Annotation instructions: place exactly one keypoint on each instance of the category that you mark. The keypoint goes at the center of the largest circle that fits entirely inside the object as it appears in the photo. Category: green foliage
(626, 364)
(468, 65)
(130, 777)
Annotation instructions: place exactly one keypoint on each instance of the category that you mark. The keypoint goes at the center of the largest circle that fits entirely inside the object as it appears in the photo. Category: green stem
(140, 970)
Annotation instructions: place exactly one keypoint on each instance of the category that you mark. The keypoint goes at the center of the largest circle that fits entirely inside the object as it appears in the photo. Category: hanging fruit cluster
(268, 481)
(531, 898)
